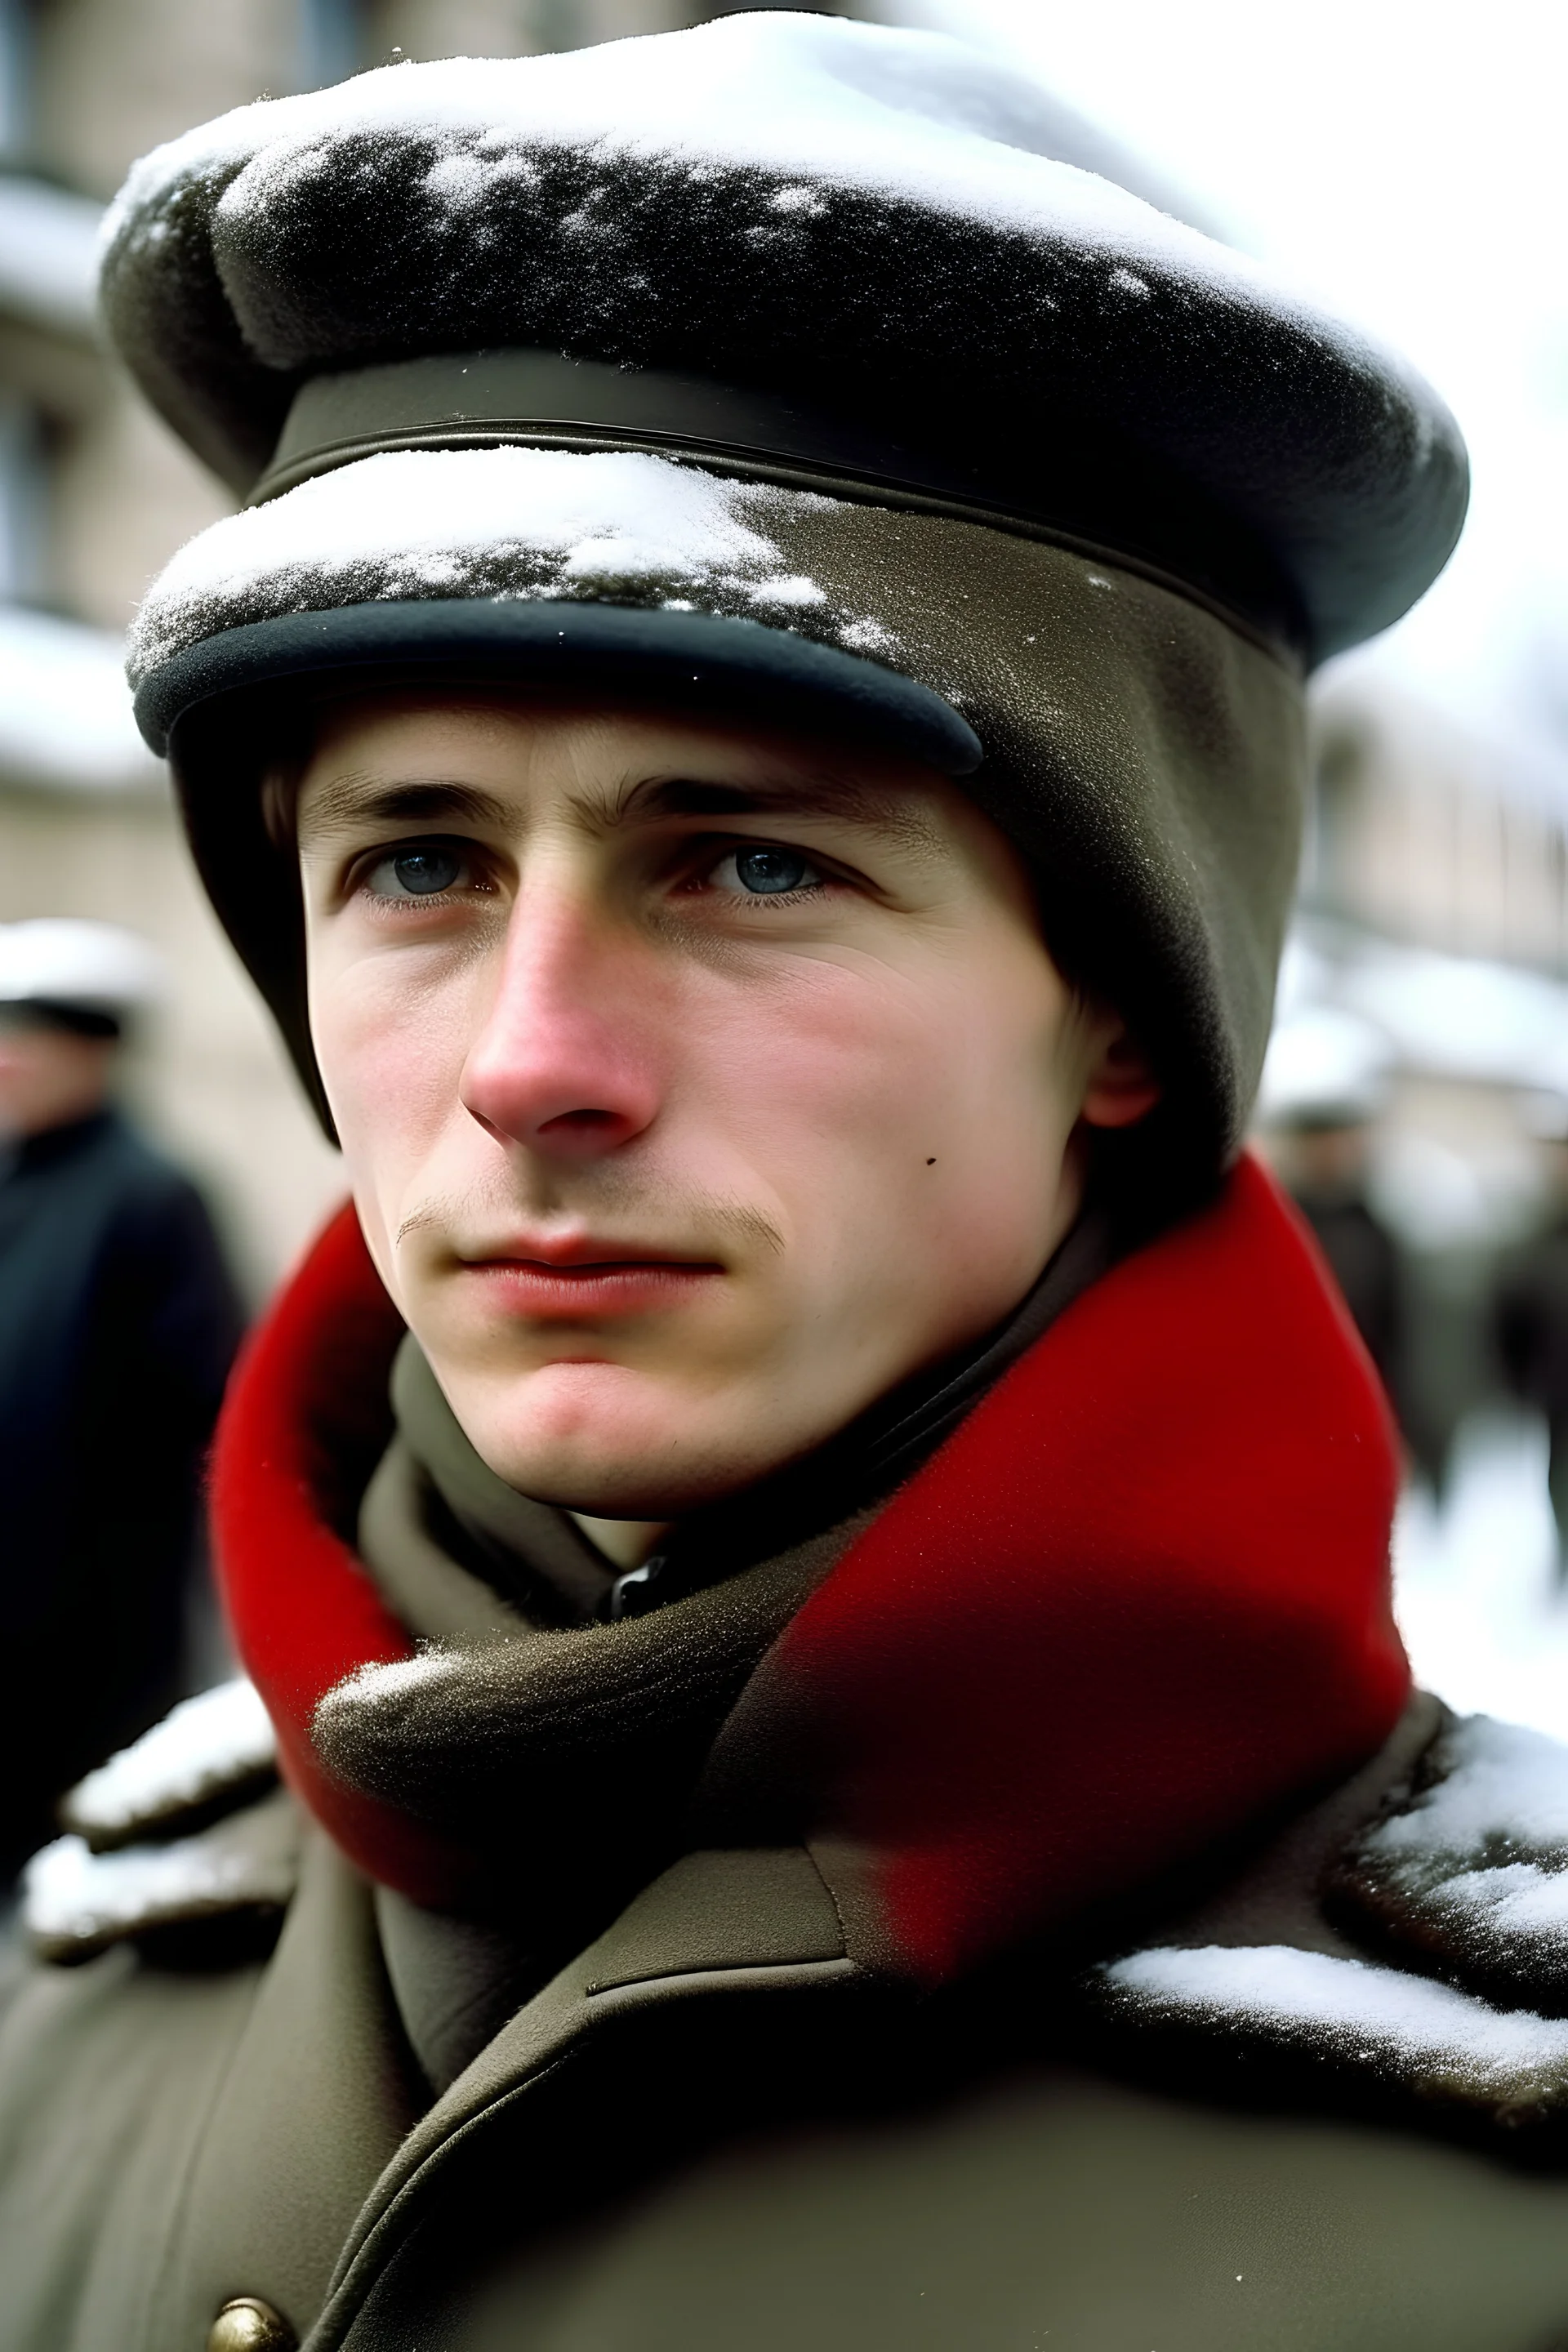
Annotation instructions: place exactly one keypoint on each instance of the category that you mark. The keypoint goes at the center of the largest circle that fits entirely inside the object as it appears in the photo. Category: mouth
(586, 1279)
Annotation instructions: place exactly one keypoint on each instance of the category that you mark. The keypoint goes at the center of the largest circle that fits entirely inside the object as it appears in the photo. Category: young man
(815, 1548)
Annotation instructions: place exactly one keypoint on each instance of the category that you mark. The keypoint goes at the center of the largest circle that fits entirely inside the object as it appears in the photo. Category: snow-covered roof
(1324, 1062)
(65, 708)
(48, 256)
(1506, 742)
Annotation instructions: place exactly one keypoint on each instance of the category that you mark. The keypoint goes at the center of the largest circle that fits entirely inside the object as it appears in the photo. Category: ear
(1121, 1088)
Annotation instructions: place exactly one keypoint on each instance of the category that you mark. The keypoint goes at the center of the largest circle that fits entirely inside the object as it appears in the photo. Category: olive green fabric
(561, 1755)
(1064, 2209)
(428, 1589)
(507, 1533)
(167, 2132)
(712, 2130)
(1146, 756)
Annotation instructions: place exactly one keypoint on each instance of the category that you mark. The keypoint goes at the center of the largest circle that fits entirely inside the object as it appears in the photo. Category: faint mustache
(667, 1208)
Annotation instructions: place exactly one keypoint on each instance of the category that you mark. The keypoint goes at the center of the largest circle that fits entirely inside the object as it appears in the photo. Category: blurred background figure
(118, 1320)
(1531, 1313)
(1324, 1086)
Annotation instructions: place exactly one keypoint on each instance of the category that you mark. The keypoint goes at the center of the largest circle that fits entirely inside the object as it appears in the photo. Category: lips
(586, 1279)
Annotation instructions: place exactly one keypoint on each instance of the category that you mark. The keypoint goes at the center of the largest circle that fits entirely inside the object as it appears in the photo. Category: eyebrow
(344, 803)
(879, 808)
(346, 800)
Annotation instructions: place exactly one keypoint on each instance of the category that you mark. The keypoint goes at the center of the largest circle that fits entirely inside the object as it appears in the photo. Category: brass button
(248, 2324)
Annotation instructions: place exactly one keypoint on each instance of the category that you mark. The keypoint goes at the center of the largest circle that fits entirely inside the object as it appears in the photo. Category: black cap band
(1089, 488)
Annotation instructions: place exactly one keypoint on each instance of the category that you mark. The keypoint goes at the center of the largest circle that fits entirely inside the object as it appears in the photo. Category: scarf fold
(1139, 1598)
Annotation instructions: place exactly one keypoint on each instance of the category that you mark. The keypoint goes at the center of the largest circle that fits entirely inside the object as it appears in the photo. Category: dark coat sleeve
(172, 1309)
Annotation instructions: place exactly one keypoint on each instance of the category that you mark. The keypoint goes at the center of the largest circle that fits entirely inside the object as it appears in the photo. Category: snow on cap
(96, 969)
(800, 246)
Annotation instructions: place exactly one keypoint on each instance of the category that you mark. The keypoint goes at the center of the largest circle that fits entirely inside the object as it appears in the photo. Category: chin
(597, 1438)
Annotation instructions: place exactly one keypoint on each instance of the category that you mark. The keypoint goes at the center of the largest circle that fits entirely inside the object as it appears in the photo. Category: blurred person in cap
(827, 1762)
(1324, 1087)
(1530, 1310)
(118, 1323)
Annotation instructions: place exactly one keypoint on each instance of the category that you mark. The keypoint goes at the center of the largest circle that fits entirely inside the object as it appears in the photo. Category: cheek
(848, 1085)
(391, 1058)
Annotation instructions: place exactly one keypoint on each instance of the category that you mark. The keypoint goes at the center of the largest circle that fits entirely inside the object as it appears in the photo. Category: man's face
(695, 1087)
(49, 1075)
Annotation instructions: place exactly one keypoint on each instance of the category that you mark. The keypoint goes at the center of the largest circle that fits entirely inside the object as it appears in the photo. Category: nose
(565, 1063)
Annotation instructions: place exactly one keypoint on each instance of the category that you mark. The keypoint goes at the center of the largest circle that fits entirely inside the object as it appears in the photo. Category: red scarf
(1139, 1597)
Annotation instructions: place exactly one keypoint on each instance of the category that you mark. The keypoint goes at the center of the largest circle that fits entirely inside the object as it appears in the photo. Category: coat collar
(1140, 1597)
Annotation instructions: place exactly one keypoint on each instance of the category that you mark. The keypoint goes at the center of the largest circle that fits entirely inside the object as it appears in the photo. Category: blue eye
(764, 872)
(424, 872)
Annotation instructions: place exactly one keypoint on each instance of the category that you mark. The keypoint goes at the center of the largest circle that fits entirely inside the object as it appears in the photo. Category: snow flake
(797, 199)
(867, 635)
(458, 180)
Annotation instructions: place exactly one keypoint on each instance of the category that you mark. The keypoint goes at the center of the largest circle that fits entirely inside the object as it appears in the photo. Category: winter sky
(1405, 161)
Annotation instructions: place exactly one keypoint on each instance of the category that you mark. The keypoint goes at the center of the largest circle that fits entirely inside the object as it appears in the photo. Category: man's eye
(417, 873)
(764, 872)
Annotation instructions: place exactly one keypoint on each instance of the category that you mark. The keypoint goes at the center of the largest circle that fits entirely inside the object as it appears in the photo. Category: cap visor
(702, 661)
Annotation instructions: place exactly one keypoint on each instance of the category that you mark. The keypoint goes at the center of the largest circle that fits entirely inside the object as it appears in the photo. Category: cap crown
(880, 227)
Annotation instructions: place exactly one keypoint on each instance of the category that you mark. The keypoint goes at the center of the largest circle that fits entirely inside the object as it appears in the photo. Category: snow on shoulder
(76, 1903)
(214, 1748)
(1444, 2043)
(169, 1836)
(1460, 1884)
(1474, 1864)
